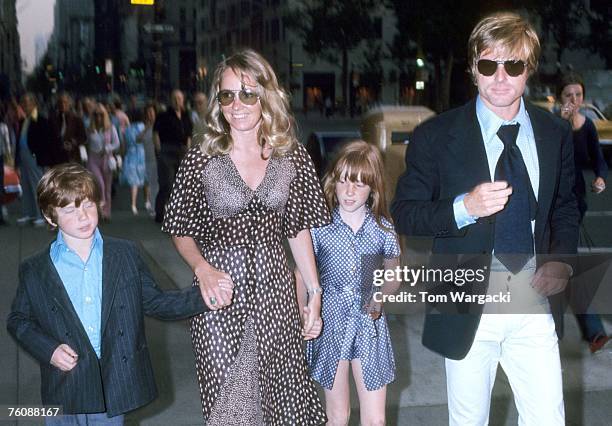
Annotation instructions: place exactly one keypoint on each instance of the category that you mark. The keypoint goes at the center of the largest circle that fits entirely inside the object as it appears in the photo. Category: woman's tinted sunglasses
(513, 68)
(247, 97)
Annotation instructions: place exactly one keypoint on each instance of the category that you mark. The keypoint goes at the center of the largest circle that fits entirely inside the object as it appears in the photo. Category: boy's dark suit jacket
(43, 317)
(447, 158)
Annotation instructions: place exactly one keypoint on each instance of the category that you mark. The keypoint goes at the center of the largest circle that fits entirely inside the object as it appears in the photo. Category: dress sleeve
(598, 161)
(315, 241)
(305, 206)
(187, 213)
(391, 248)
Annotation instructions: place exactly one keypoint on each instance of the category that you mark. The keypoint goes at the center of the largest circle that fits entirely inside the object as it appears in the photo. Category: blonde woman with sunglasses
(243, 189)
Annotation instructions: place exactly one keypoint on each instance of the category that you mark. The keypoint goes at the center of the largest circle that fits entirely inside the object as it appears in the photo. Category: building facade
(10, 50)
(226, 25)
(72, 44)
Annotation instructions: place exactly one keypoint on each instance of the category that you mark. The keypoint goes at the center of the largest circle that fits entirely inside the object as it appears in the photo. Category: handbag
(115, 162)
(112, 163)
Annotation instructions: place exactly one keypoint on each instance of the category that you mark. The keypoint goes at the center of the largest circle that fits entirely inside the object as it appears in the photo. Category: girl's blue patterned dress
(346, 261)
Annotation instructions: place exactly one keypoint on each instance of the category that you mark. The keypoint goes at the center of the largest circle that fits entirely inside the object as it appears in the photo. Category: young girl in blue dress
(359, 241)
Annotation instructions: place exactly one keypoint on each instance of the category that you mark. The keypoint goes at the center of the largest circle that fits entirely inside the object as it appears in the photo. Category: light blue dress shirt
(490, 123)
(83, 283)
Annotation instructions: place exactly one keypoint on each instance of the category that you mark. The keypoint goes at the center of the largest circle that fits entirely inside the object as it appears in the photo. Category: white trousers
(526, 347)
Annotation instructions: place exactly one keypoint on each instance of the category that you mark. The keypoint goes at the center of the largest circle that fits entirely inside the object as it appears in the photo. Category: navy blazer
(42, 317)
(447, 158)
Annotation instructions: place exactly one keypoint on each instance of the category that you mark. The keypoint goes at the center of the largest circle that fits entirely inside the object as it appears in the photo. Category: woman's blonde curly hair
(277, 129)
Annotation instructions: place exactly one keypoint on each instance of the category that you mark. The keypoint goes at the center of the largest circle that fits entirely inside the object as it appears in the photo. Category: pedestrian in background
(68, 128)
(133, 172)
(102, 142)
(37, 148)
(146, 139)
(5, 150)
(198, 114)
(358, 243)
(587, 154)
(88, 106)
(172, 135)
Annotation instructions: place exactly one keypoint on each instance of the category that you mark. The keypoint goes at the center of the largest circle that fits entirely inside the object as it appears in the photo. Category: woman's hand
(568, 110)
(309, 317)
(598, 185)
(312, 316)
(216, 286)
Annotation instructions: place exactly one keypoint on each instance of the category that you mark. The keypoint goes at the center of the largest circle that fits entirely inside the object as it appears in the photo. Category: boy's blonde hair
(359, 161)
(64, 184)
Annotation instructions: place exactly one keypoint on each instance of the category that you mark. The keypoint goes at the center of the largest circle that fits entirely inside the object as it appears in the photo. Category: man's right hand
(64, 357)
(487, 198)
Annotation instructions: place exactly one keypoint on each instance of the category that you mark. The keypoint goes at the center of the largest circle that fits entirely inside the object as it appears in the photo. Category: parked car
(390, 128)
(322, 147)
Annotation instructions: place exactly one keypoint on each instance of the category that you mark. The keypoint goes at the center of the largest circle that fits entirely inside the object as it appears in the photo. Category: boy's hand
(315, 329)
(216, 286)
(64, 358)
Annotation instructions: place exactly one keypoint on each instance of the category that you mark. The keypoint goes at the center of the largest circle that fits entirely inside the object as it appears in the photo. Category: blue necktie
(513, 236)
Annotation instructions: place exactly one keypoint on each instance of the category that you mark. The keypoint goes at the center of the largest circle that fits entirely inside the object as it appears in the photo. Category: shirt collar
(337, 219)
(491, 122)
(60, 245)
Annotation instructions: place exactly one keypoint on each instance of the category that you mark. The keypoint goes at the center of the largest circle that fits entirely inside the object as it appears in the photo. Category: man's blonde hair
(507, 32)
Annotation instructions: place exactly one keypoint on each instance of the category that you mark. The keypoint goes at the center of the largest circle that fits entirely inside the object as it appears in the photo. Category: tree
(371, 70)
(440, 29)
(332, 27)
(600, 37)
(559, 21)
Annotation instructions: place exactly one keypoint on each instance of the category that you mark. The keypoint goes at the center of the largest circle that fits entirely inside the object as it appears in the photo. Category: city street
(417, 397)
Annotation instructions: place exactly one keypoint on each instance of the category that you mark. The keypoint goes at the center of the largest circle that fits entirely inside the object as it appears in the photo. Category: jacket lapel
(546, 145)
(110, 271)
(467, 147)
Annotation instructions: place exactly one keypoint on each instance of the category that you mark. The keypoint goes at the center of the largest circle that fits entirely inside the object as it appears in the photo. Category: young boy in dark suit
(79, 308)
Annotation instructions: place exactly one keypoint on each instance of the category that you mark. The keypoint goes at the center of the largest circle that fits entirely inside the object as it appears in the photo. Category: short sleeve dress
(250, 359)
(346, 261)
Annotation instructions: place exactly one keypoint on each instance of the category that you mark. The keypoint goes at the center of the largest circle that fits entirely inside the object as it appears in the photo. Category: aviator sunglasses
(247, 97)
(513, 68)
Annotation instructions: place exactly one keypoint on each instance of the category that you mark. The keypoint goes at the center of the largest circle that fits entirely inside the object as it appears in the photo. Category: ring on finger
(213, 301)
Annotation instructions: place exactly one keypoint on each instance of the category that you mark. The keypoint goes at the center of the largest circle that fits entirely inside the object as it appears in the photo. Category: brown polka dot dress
(250, 358)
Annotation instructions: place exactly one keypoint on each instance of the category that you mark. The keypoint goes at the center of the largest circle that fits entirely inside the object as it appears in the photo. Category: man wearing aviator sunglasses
(495, 177)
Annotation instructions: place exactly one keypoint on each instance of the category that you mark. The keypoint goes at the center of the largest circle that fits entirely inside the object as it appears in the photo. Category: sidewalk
(417, 397)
